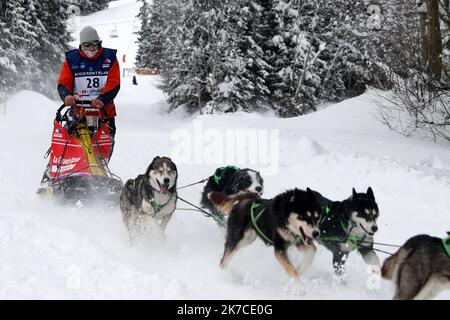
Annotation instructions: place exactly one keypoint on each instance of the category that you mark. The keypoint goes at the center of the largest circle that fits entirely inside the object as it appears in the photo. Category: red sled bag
(71, 155)
(80, 151)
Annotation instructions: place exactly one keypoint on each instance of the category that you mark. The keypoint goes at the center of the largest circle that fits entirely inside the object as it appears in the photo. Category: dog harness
(260, 233)
(446, 244)
(350, 239)
(223, 170)
(255, 222)
(156, 206)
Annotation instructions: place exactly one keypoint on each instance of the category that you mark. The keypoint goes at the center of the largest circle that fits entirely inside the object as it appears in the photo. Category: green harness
(255, 219)
(223, 170)
(446, 244)
(351, 240)
(255, 222)
(157, 207)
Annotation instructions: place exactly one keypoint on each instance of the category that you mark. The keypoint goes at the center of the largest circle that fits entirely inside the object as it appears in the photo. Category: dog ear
(258, 174)
(310, 193)
(147, 173)
(354, 192)
(174, 166)
(370, 193)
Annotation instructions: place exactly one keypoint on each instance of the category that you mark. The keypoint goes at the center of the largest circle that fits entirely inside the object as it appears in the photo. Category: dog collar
(446, 244)
(223, 170)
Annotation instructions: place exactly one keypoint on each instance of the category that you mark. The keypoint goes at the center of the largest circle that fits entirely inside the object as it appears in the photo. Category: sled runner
(79, 155)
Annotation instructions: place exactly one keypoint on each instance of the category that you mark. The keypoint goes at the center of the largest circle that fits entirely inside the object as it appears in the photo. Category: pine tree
(187, 67)
(151, 36)
(290, 55)
(91, 6)
(34, 36)
(144, 36)
(53, 42)
(240, 65)
(7, 66)
(20, 39)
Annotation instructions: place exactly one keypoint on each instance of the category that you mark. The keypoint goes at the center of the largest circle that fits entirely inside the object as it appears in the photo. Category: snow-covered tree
(53, 39)
(289, 55)
(34, 36)
(152, 35)
(7, 66)
(89, 6)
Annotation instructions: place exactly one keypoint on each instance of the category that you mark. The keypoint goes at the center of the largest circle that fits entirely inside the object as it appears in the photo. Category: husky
(150, 199)
(420, 268)
(289, 218)
(349, 225)
(231, 180)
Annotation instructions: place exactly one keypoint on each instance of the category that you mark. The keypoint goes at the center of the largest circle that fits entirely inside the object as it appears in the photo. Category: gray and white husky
(150, 199)
(420, 268)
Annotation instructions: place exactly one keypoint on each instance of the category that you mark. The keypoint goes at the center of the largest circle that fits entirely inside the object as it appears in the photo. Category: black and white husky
(291, 218)
(231, 180)
(150, 199)
(349, 225)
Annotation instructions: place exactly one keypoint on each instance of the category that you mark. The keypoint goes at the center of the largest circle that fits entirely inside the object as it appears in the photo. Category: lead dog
(150, 199)
(349, 225)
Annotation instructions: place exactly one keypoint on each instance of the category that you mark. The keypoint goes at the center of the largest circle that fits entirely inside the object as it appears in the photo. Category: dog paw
(374, 269)
(161, 237)
(296, 288)
(339, 279)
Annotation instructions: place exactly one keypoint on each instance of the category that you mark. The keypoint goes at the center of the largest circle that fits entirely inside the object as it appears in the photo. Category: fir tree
(143, 59)
(33, 38)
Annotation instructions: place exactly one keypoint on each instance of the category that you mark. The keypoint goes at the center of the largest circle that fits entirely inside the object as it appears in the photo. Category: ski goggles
(91, 44)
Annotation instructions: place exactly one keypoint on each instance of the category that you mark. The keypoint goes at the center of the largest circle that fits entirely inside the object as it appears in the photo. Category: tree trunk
(199, 98)
(423, 35)
(2, 8)
(434, 41)
(445, 17)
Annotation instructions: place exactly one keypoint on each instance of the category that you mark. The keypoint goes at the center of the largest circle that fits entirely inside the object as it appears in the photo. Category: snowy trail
(58, 252)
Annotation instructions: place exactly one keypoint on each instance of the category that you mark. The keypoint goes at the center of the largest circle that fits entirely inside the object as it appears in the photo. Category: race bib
(89, 87)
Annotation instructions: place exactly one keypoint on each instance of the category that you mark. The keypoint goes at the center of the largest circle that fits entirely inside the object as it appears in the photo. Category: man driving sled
(90, 73)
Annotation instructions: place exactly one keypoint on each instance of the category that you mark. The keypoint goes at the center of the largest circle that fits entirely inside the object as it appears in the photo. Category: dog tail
(390, 267)
(221, 201)
(225, 203)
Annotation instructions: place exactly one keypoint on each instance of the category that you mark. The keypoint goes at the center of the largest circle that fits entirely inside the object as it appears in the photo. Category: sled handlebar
(84, 106)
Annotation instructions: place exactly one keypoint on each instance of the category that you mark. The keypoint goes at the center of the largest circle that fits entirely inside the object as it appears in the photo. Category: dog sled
(79, 155)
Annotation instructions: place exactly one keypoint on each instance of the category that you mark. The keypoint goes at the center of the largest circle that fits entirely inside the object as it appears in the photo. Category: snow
(50, 251)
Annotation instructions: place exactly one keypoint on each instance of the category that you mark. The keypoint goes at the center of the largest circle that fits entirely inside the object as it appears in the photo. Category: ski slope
(53, 252)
